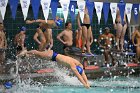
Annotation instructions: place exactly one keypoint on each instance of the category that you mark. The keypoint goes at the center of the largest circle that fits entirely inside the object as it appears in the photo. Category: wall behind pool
(11, 27)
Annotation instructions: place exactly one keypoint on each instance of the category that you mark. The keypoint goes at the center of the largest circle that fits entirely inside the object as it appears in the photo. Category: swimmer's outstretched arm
(80, 77)
(39, 53)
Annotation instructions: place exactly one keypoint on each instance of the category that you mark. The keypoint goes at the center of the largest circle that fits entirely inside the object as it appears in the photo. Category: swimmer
(75, 65)
(19, 40)
(39, 37)
(107, 37)
(136, 35)
(57, 22)
(66, 37)
(86, 31)
(120, 30)
(3, 41)
(48, 43)
(3, 45)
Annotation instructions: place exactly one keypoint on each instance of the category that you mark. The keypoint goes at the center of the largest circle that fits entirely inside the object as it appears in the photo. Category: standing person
(19, 40)
(3, 46)
(66, 36)
(48, 36)
(39, 37)
(136, 35)
(105, 42)
(86, 31)
(3, 41)
(48, 31)
(120, 30)
(74, 64)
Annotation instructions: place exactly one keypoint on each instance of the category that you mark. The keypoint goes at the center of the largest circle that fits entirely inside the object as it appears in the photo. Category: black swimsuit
(87, 25)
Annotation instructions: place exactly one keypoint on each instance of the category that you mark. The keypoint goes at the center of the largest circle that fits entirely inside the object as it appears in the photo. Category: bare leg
(88, 40)
(42, 46)
(79, 38)
(106, 55)
(118, 34)
(84, 36)
(48, 36)
(122, 37)
(113, 63)
(138, 53)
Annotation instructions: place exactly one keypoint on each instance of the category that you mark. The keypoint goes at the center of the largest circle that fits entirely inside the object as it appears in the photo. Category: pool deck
(112, 71)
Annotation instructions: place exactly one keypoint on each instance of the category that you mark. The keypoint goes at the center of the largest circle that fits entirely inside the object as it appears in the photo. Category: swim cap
(79, 69)
(23, 28)
(58, 22)
(8, 85)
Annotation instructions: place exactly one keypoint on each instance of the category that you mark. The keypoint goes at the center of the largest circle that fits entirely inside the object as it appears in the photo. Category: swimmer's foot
(118, 49)
(122, 50)
(83, 52)
(89, 53)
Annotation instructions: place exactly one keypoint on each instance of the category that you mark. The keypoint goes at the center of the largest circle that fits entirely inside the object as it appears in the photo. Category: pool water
(70, 84)
(105, 85)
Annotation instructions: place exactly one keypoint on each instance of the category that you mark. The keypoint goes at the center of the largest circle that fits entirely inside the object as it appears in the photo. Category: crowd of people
(84, 40)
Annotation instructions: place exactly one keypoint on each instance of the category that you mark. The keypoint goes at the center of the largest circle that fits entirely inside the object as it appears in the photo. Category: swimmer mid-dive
(57, 22)
(74, 64)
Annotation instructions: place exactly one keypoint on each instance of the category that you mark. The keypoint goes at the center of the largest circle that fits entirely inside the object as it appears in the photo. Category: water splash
(64, 77)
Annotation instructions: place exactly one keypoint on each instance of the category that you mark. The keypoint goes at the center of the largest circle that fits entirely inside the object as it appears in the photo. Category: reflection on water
(65, 81)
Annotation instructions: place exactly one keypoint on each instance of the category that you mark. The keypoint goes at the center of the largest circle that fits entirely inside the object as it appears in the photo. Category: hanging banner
(128, 8)
(81, 9)
(35, 6)
(13, 6)
(90, 7)
(3, 4)
(121, 7)
(72, 8)
(54, 5)
(98, 7)
(65, 8)
(45, 7)
(135, 9)
(25, 7)
(113, 7)
(106, 7)
(139, 7)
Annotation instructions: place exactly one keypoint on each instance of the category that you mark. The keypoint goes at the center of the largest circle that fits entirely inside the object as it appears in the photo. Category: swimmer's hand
(87, 86)
(29, 21)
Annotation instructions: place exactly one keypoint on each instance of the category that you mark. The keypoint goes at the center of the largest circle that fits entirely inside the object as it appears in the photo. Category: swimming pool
(70, 84)
(104, 85)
